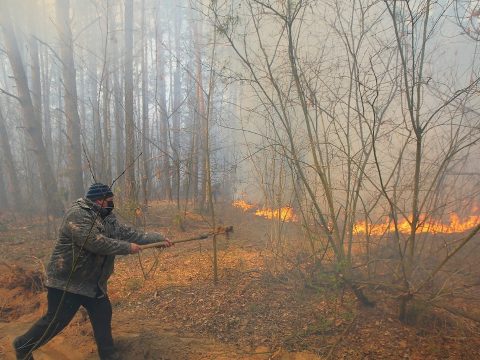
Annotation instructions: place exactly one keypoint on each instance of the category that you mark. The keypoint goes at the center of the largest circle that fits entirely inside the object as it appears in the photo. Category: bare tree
(8, 170)
(46, 86)
(118, 109)
(145, 119)
(71, 101)
(162, 110)
(198, 131)
(30, 118)
(329, 107)
(467, 13)
(3, 193)
(130, 193)
(290, 97)
(415, 27)
(177, 102)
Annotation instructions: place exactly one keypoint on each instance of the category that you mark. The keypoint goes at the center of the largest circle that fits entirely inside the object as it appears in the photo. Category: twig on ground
(141, 266)
(6, 265)
(341, 338)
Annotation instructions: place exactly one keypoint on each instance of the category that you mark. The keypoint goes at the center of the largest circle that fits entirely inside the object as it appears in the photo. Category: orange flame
(456, 225)
(284, 214)
(242, 205)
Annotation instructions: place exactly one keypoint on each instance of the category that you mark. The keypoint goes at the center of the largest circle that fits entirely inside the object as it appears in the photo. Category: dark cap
(98, 191)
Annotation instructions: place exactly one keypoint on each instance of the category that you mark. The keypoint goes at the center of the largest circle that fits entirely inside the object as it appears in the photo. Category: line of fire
(426, 225)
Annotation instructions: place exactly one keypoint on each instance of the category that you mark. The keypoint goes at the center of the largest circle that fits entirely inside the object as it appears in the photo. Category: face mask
(104, 212)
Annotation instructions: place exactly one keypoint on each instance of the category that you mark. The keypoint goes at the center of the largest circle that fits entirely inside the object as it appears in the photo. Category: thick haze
(339, 103)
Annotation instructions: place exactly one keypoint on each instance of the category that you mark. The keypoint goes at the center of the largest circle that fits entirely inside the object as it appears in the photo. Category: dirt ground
(167, 306)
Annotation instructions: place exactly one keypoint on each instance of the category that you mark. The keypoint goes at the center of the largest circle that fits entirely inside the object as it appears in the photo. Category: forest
(315, 162)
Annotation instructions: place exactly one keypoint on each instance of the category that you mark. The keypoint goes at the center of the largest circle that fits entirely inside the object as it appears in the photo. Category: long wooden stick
(161, 243)
(220, 230)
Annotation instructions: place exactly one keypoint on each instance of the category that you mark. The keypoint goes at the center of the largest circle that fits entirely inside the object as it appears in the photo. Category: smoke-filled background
(360, 119)
(92, 89)
(349, 97)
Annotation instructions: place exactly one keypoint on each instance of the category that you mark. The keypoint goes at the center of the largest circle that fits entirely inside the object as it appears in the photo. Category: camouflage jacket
(86, 249)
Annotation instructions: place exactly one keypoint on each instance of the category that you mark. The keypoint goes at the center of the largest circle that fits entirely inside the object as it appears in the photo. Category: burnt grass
(264, 303)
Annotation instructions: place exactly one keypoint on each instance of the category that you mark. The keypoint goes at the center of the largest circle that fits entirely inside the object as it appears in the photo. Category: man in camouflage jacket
(81, 263)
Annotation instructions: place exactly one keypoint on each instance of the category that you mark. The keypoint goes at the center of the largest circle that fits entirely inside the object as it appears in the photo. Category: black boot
(109, 353)
(111, 356)
(21, 351)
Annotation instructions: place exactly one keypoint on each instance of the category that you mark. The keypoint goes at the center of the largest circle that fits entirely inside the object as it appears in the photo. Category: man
(77, 274)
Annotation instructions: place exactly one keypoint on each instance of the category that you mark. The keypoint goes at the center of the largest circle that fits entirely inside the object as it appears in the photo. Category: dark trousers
(59, 315)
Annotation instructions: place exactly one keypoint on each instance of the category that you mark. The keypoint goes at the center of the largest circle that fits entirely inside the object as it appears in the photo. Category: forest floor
(264, 306)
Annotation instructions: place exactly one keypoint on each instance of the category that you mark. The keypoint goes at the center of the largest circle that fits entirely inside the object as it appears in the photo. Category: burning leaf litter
(284, 214)
(426, 224)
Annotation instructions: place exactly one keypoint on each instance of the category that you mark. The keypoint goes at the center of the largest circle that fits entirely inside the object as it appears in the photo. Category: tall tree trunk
(107, 132)
(165, 184)
(82, 104)
(71, 101)
(190, 188)
(118, 115)
(82, 90)
(105, 94)
(177, 93)
(206, 154)
(4, 204)
(130, 194)
(46, 84)
(118, 110)
(47, 121)
(194, 156)
(97, 153)
(145, 123)
(30, 171)
(9, 169)
(35, 74)
(199, 160)
(31, 120)
(59, 150)
(36, 94)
